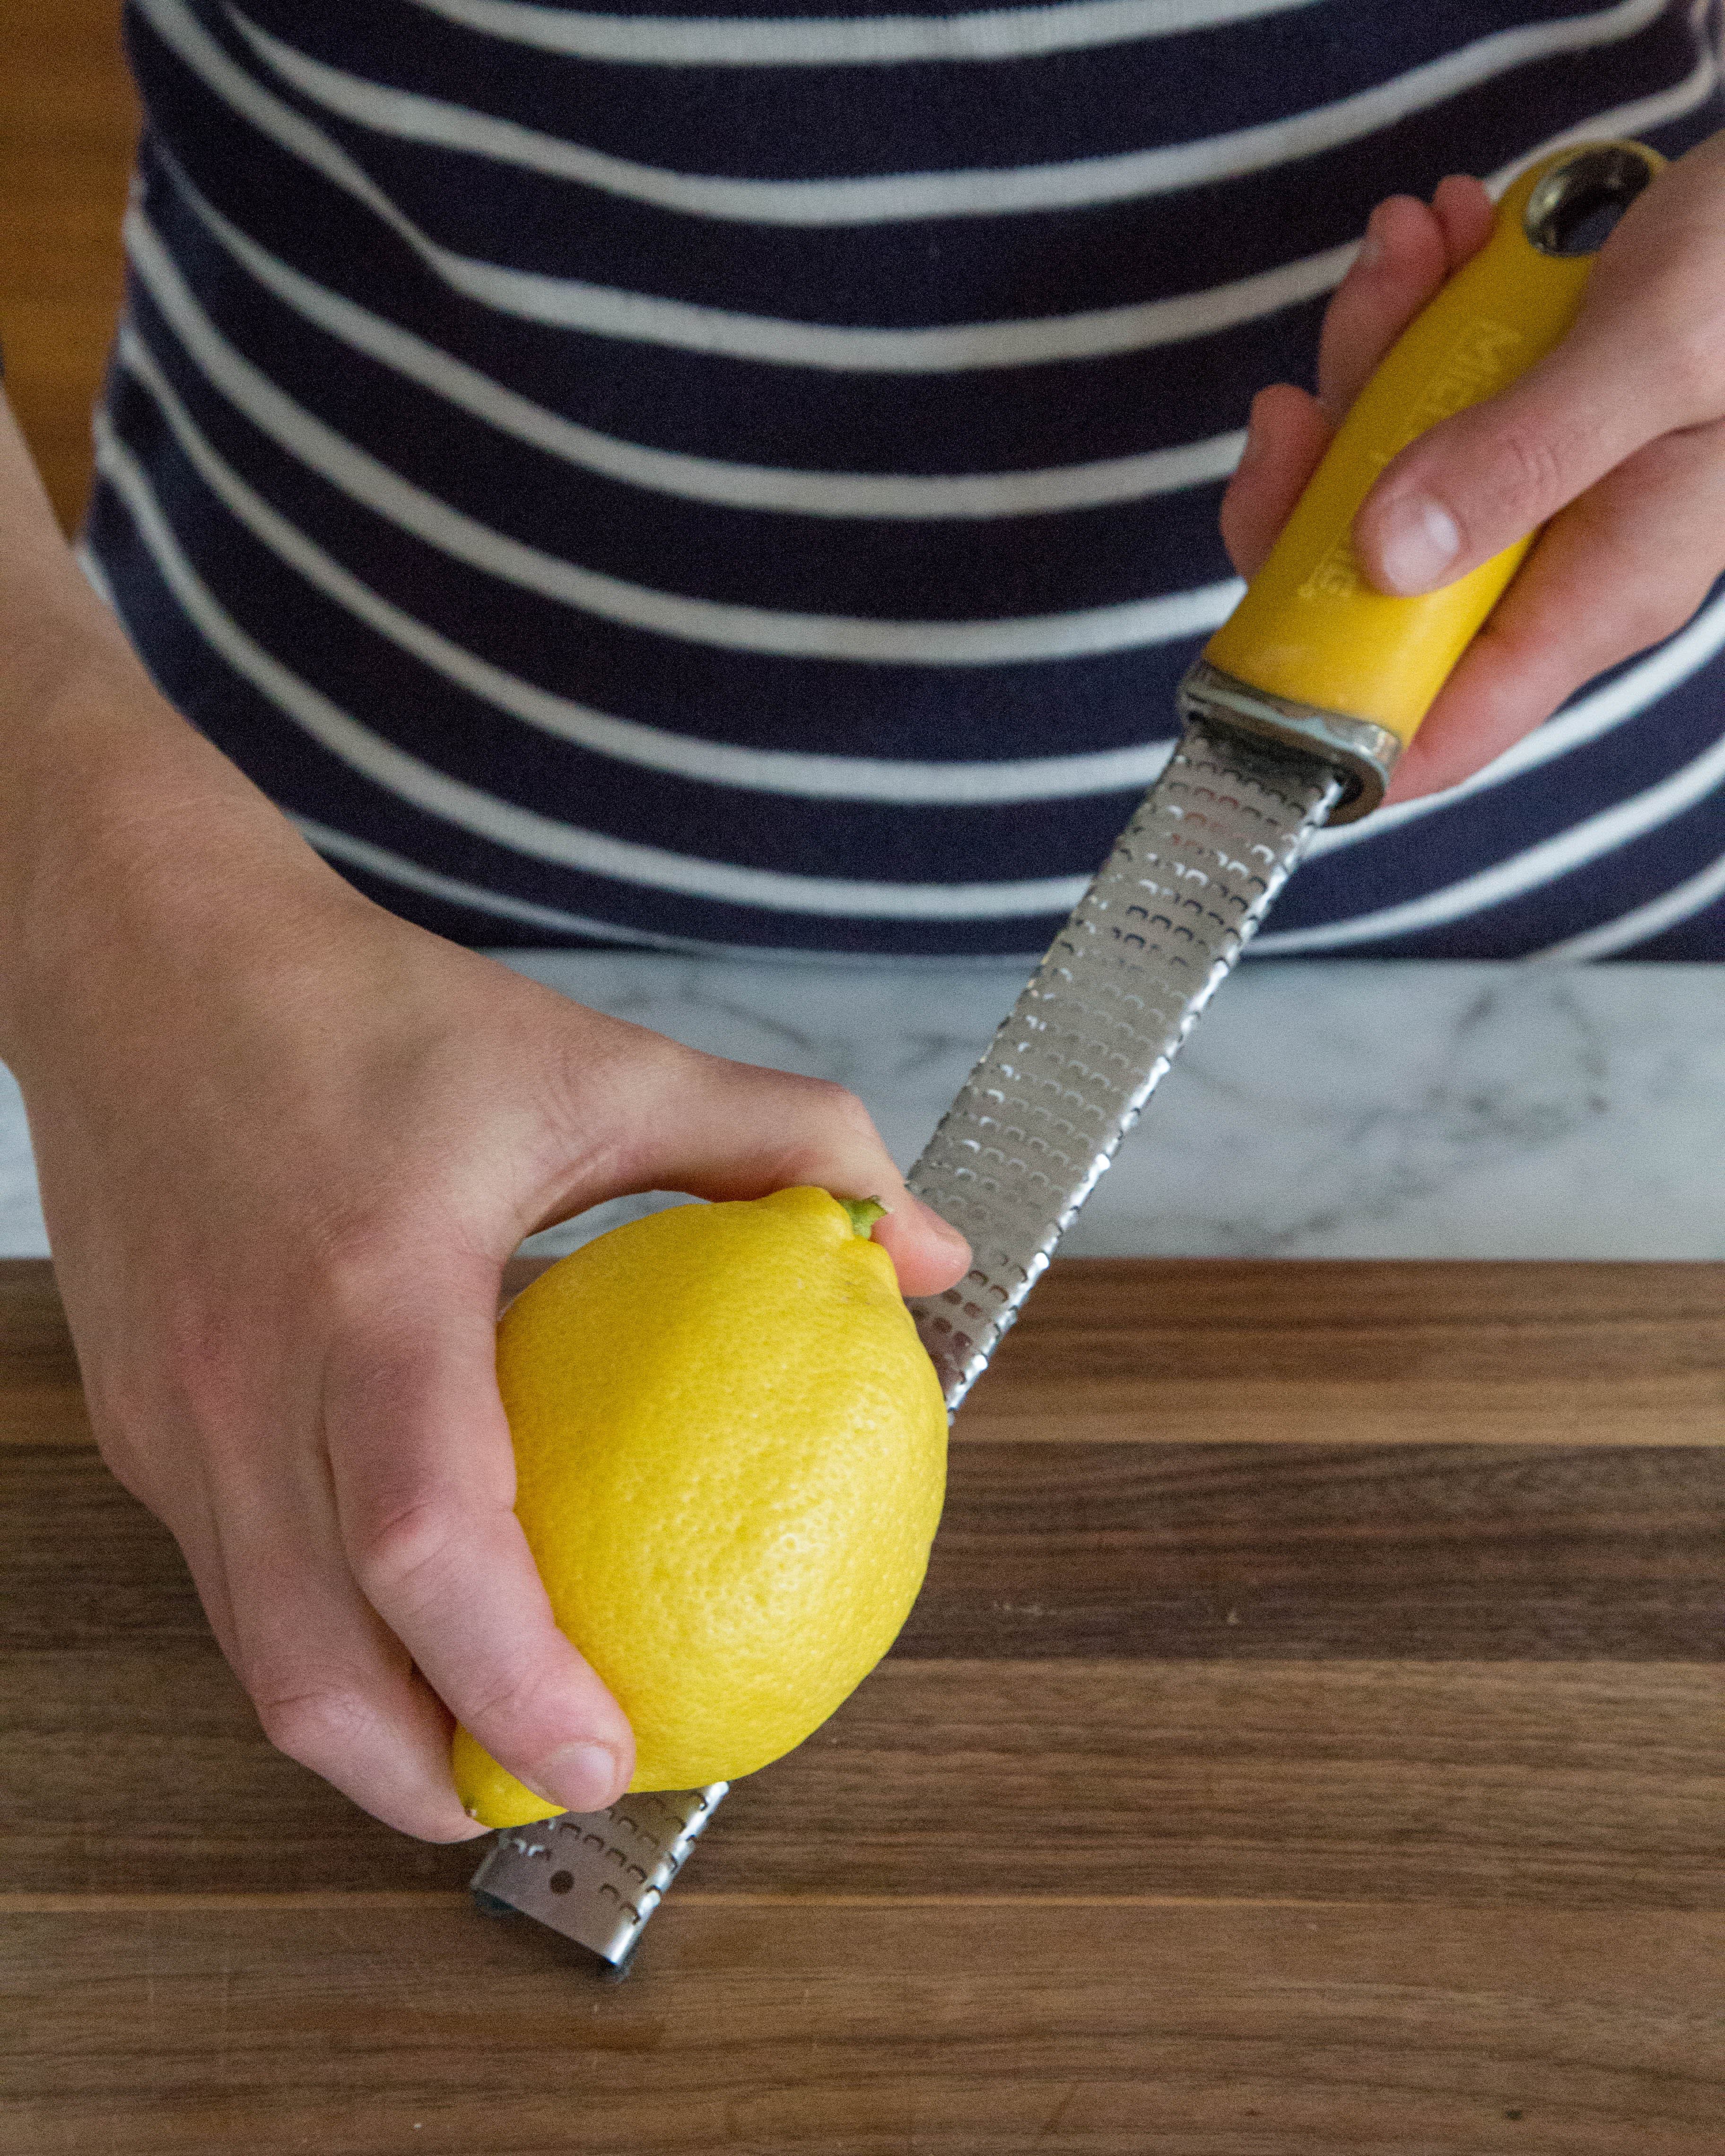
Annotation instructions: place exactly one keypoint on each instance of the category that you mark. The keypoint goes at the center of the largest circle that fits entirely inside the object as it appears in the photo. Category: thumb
(1483, 479)
(723, 1130)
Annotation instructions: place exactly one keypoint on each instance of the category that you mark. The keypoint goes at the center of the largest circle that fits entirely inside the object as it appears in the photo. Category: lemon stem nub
(863, 1213)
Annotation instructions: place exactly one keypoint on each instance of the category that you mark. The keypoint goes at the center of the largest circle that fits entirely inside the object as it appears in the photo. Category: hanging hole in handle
(1573, 209)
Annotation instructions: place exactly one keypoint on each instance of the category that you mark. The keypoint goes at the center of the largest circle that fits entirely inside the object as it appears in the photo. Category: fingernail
(581, 1777)
(1371, 251)
(1417, 541)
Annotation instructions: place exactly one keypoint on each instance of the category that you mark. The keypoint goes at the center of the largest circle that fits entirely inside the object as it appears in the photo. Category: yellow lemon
(731, 1448)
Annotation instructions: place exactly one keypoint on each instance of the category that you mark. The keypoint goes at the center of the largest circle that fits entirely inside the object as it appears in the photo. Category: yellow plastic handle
(1309, 628)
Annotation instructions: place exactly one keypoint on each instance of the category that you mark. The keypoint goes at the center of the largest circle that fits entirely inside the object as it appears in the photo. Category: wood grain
(1343, 1352)
(1228, 1351)
(1585, 1785)
(1227, 2029)
(1260, 1553)
(68, 120)
(41, 1400)
(1239, 1799)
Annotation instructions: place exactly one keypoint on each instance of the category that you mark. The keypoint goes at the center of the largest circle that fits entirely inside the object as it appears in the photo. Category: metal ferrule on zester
(1364, 752)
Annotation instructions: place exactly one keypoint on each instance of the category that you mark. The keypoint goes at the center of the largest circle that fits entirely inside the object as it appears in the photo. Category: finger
(423, 1478)
(1403, 259)
(751, 1132)
(189, 1518)
(1285, 445)
(1464, 209)
(927, 1253)
(143, 1455)
(1637, 364)
(723, 1130)
(253, 1513)
(251, 1508)
(1624, 567)
(334, 1689)
(1407, 252)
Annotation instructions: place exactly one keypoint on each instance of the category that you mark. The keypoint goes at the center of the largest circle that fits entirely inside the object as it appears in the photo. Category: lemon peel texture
(731, 1453)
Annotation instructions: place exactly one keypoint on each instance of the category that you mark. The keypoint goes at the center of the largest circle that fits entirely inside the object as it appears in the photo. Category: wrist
(125, 839)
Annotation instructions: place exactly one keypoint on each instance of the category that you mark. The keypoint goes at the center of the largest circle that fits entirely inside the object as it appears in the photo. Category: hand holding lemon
(730, 1449)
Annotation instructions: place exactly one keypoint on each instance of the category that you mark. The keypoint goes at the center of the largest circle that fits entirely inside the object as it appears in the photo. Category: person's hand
(286, 1143)
(1616, 442)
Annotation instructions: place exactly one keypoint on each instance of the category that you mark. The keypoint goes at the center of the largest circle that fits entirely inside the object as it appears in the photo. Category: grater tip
(596, 1877)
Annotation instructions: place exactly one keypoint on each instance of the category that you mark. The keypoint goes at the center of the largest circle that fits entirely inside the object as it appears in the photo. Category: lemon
(731, 1453)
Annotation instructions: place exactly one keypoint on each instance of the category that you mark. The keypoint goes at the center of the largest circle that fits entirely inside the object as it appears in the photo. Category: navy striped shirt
(709, 481)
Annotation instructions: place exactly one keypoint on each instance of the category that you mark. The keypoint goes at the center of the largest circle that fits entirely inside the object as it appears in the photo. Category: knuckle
(124, 1453)
(828, 1117)
(357, 1263)
(508, 1704)
(125, 1416)
(837, 1104)
(1528, 471)
(318, 1720)
(202, 1364)
(396, 1549)
(1691, 349)
(1692, 364)
(195, 1389)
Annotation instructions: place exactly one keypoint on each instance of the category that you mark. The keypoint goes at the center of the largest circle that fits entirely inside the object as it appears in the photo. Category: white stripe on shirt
(967, 495)
(605, 311)
(1681, 903)
(1127, 625)
(804, 775)
(1543, 864)
(642, 317)
(523, 830)
(896, 198)
(1585, 721)
(990, 34)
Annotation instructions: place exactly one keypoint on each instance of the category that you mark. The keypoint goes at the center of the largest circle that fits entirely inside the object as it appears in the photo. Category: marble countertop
(1322, 1109)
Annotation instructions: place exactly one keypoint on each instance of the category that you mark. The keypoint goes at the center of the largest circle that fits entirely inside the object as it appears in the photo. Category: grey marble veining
(1321, 1109)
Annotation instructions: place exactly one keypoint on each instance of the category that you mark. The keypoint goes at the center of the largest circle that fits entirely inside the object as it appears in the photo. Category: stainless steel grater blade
(1065, 1079)
(1013, 1160)
(596, 1876)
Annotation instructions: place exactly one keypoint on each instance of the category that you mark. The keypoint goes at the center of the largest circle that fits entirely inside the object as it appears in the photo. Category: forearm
(110, 802)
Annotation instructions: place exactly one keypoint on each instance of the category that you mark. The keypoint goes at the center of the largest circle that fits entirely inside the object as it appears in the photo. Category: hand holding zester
(1616, 442)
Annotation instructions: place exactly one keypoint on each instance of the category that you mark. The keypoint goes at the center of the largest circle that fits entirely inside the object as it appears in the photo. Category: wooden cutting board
(1312, 1738)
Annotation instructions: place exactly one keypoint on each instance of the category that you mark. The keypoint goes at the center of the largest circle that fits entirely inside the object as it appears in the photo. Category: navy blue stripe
(971, 268)
(306, 779)
(837, 707)
(1700, 938)
(996, 420)
(795, 122)
(1600, 892)
(840, 122)
(405, 703)
(883, 569)
(1421, 857)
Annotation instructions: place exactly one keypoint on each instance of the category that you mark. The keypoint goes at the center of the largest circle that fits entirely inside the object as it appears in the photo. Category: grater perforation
(1039, 1120)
